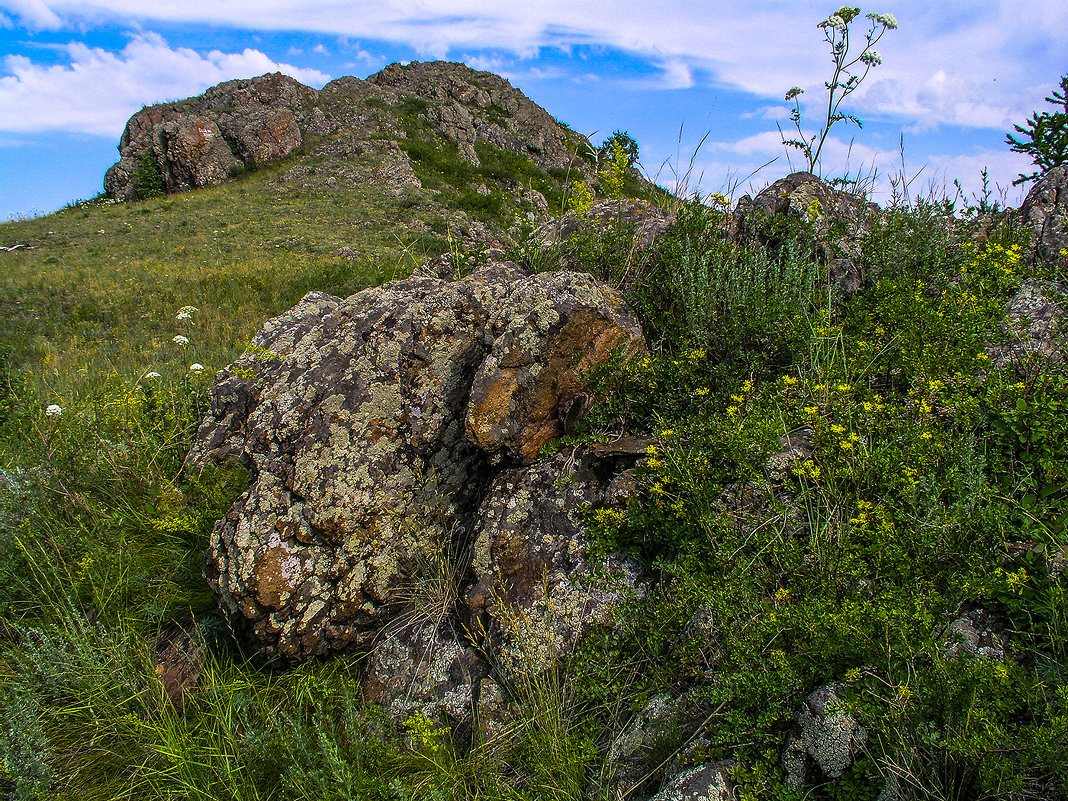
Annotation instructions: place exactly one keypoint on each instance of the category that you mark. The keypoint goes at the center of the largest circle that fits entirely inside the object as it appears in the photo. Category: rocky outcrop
(466, 107)
(204, 140)
(389, 437)
(1045, 212)
(249, 123)
(537, 590)
(1033, 326)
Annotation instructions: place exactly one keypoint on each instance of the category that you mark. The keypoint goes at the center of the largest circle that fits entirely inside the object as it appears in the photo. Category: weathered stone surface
(200, 141)
(258, 121)
(976, 633)
(826, 736)
(1045, 212)
(352, 417)
(840, 220)
(630, 751)
(191, 152)
(468, 106)
(426, 670)
(537, 589)
(704, 783)
(1034, 317)
(527, 390)
(180, 659)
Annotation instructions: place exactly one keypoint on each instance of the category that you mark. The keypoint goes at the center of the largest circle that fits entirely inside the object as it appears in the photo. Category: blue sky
(954, 78)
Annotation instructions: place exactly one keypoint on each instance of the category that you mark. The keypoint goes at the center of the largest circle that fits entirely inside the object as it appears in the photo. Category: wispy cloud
(98, 90)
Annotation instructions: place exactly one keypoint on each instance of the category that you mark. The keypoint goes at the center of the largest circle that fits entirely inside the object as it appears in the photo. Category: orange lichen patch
(522, 408)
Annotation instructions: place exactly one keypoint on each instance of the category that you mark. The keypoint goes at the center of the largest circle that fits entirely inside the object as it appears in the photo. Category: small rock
(704, 783)
(826, 735)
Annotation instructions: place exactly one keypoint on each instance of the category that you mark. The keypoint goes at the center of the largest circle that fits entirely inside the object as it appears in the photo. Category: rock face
(1033, 323)
(203, 140)
(251, 123)
(372, 428)
(1045, 212)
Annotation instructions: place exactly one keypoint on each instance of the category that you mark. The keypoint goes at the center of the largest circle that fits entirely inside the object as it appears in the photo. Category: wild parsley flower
(887, 20)
(180, 340)
(53, 410)
(196, 367)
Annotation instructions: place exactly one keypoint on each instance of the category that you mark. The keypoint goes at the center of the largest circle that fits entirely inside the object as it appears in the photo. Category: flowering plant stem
(844, 81)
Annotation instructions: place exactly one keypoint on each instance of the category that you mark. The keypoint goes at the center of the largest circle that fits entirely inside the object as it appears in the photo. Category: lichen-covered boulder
(530, 388)
(827, 737)
(1033, 326)
(420, 668)
(840, 221)
(1045, 212)
(538, 588)
(353, 419)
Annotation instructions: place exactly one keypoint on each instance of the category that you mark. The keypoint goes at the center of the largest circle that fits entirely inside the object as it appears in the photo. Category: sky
(699, 84)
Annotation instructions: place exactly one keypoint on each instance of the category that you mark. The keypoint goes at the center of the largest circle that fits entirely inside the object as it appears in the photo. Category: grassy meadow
(933, 485)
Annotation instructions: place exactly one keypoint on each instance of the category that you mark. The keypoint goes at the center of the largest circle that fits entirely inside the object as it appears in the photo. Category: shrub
(147, 178)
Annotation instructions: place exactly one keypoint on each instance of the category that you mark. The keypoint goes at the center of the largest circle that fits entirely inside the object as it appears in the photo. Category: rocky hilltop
(389, 129)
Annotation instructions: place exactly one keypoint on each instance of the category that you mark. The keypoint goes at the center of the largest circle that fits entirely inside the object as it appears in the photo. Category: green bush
(147, 178)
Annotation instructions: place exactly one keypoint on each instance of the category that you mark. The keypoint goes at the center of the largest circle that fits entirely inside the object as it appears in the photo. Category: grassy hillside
(932, 484)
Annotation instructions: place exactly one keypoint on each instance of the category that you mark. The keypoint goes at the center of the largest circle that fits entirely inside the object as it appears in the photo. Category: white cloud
(34, 14)
(971, 63)
(676, 75)
(97, 91)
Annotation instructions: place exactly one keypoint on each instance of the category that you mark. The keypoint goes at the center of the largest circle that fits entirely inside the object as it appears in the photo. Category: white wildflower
(186, 312)
(196, 367)
(871, 57)
(833, 21)
(53, 411)
(180, 340)
(889, 20)
(153, 375)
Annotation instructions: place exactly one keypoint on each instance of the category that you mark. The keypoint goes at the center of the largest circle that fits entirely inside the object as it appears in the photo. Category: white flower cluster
(180, 340)
(833, 21)
(887, 20)
(871, 58)
(186, 312)
(196, 367)
(53, 410)
(153, 375)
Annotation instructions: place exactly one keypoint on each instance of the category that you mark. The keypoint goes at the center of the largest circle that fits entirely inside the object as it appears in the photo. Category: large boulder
(355, 420)
(1045, 212)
